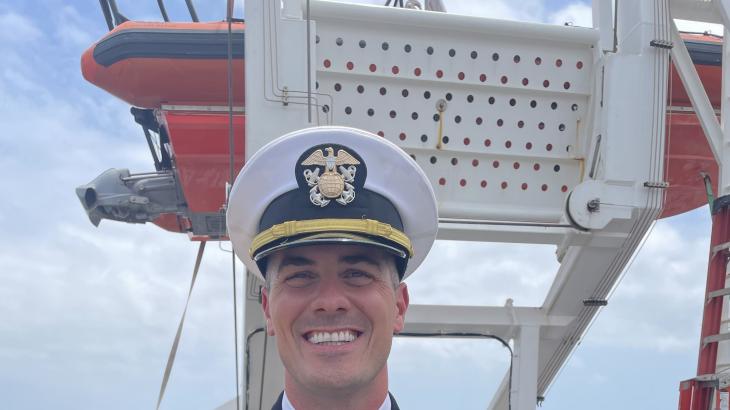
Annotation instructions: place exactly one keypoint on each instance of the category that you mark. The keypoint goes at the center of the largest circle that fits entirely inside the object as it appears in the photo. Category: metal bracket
(656, 184)
(664, 44)
(595, 302)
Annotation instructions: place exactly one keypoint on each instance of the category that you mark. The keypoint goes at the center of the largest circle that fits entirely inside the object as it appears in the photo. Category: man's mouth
(334, 338)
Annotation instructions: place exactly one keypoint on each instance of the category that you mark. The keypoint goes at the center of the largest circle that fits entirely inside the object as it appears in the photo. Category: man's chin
(333, 374)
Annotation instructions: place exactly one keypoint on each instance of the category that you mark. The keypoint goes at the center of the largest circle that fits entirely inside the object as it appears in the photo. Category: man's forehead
(314, 254)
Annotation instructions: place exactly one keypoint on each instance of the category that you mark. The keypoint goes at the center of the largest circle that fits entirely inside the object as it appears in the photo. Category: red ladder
(709, 388)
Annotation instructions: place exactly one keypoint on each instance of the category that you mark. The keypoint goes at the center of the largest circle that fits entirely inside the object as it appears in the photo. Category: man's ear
(267, 314)
(401, 305)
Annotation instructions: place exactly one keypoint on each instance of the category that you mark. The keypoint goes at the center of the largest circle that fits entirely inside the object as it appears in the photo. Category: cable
(248, 359)
(231, 169)
(479, 335)
(176, 341)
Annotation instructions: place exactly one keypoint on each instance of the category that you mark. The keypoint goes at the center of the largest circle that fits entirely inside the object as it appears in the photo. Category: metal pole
(107, 14)
(191, 9)
(163, 11)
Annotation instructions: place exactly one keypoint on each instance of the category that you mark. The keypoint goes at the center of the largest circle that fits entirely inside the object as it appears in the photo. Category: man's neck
(370, 397)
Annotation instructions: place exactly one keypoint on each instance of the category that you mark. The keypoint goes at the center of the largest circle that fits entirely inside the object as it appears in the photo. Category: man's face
(333, 310)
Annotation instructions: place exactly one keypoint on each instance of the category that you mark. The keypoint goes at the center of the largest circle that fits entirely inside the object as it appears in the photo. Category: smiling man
(332, 219)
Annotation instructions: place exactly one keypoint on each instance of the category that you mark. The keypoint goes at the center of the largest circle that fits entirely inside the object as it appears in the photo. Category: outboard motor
(135, 198)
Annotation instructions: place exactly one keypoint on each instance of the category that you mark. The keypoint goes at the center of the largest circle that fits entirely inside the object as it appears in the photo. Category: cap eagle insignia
(336, 180)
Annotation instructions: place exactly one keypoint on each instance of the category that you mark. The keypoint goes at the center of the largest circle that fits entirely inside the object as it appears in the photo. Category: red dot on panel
(327, 63)
(520, 124)
(373, 67)
(528, 145)
(549, 147)
(483, 77)
(544, 187)
(541, 125)
(402, 136)
(467, 141)
(475, 162)
(462, 182)
(566, 85)
(417, 72)
(484, 184)
(495, 164)
(558, 63)
(524, 186)
(395, 69)
(442, 181)
(525, 81)
(536, 167)
(350, 65)
(504, 184)
(461, 75)
(479, 120)
(439, 73)
(487, 142)
(381, 133)
(508, 144)
(516, 165)
(504, 79)
(579, 65)
(538, 60)
(546, 83)
(564, 188)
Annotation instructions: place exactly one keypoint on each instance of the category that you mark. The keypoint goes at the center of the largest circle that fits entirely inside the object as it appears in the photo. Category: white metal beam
(695, 10)
(527, 347)
(494, 320)
(724, 183)
(697, 94)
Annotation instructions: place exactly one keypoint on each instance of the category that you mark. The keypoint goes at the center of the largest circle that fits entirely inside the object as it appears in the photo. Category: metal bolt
(441, 105)
(594, 205)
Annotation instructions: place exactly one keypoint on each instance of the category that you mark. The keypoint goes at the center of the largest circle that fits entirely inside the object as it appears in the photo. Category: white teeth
(334, 338)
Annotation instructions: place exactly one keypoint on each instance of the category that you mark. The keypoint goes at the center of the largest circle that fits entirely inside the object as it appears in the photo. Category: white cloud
(72, 29)
(16, 28)
(576, 14)
(658, 304)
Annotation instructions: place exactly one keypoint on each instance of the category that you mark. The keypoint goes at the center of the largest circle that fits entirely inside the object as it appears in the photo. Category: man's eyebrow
(295, 261)
(359, 258)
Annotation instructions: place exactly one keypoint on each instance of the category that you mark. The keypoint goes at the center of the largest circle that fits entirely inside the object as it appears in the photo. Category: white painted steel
(510, 126)
(723, 6)
(724, 183)
(697, 95)
(501, 321)
(603, 19)
(696, 10)
(612, 142)
(524, 382)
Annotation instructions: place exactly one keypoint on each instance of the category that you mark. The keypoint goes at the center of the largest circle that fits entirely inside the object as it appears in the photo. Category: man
(332, 219)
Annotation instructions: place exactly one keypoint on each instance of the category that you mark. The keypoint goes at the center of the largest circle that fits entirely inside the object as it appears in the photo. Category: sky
(87, 315)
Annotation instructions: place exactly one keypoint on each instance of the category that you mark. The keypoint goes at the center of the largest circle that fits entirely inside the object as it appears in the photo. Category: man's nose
(331, 297)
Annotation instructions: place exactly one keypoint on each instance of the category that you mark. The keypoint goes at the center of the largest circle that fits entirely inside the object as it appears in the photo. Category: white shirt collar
(286, 404)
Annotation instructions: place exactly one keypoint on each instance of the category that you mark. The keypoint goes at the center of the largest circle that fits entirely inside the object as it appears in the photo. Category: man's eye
(299, 279)
(358, 278)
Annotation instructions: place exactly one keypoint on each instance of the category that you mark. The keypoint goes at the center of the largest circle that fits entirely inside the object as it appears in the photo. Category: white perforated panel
(502, 147)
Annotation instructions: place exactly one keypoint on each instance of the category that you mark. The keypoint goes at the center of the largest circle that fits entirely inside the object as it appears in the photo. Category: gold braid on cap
(362, 226)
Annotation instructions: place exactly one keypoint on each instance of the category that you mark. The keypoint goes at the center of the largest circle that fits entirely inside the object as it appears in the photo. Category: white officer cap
(327, 185)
